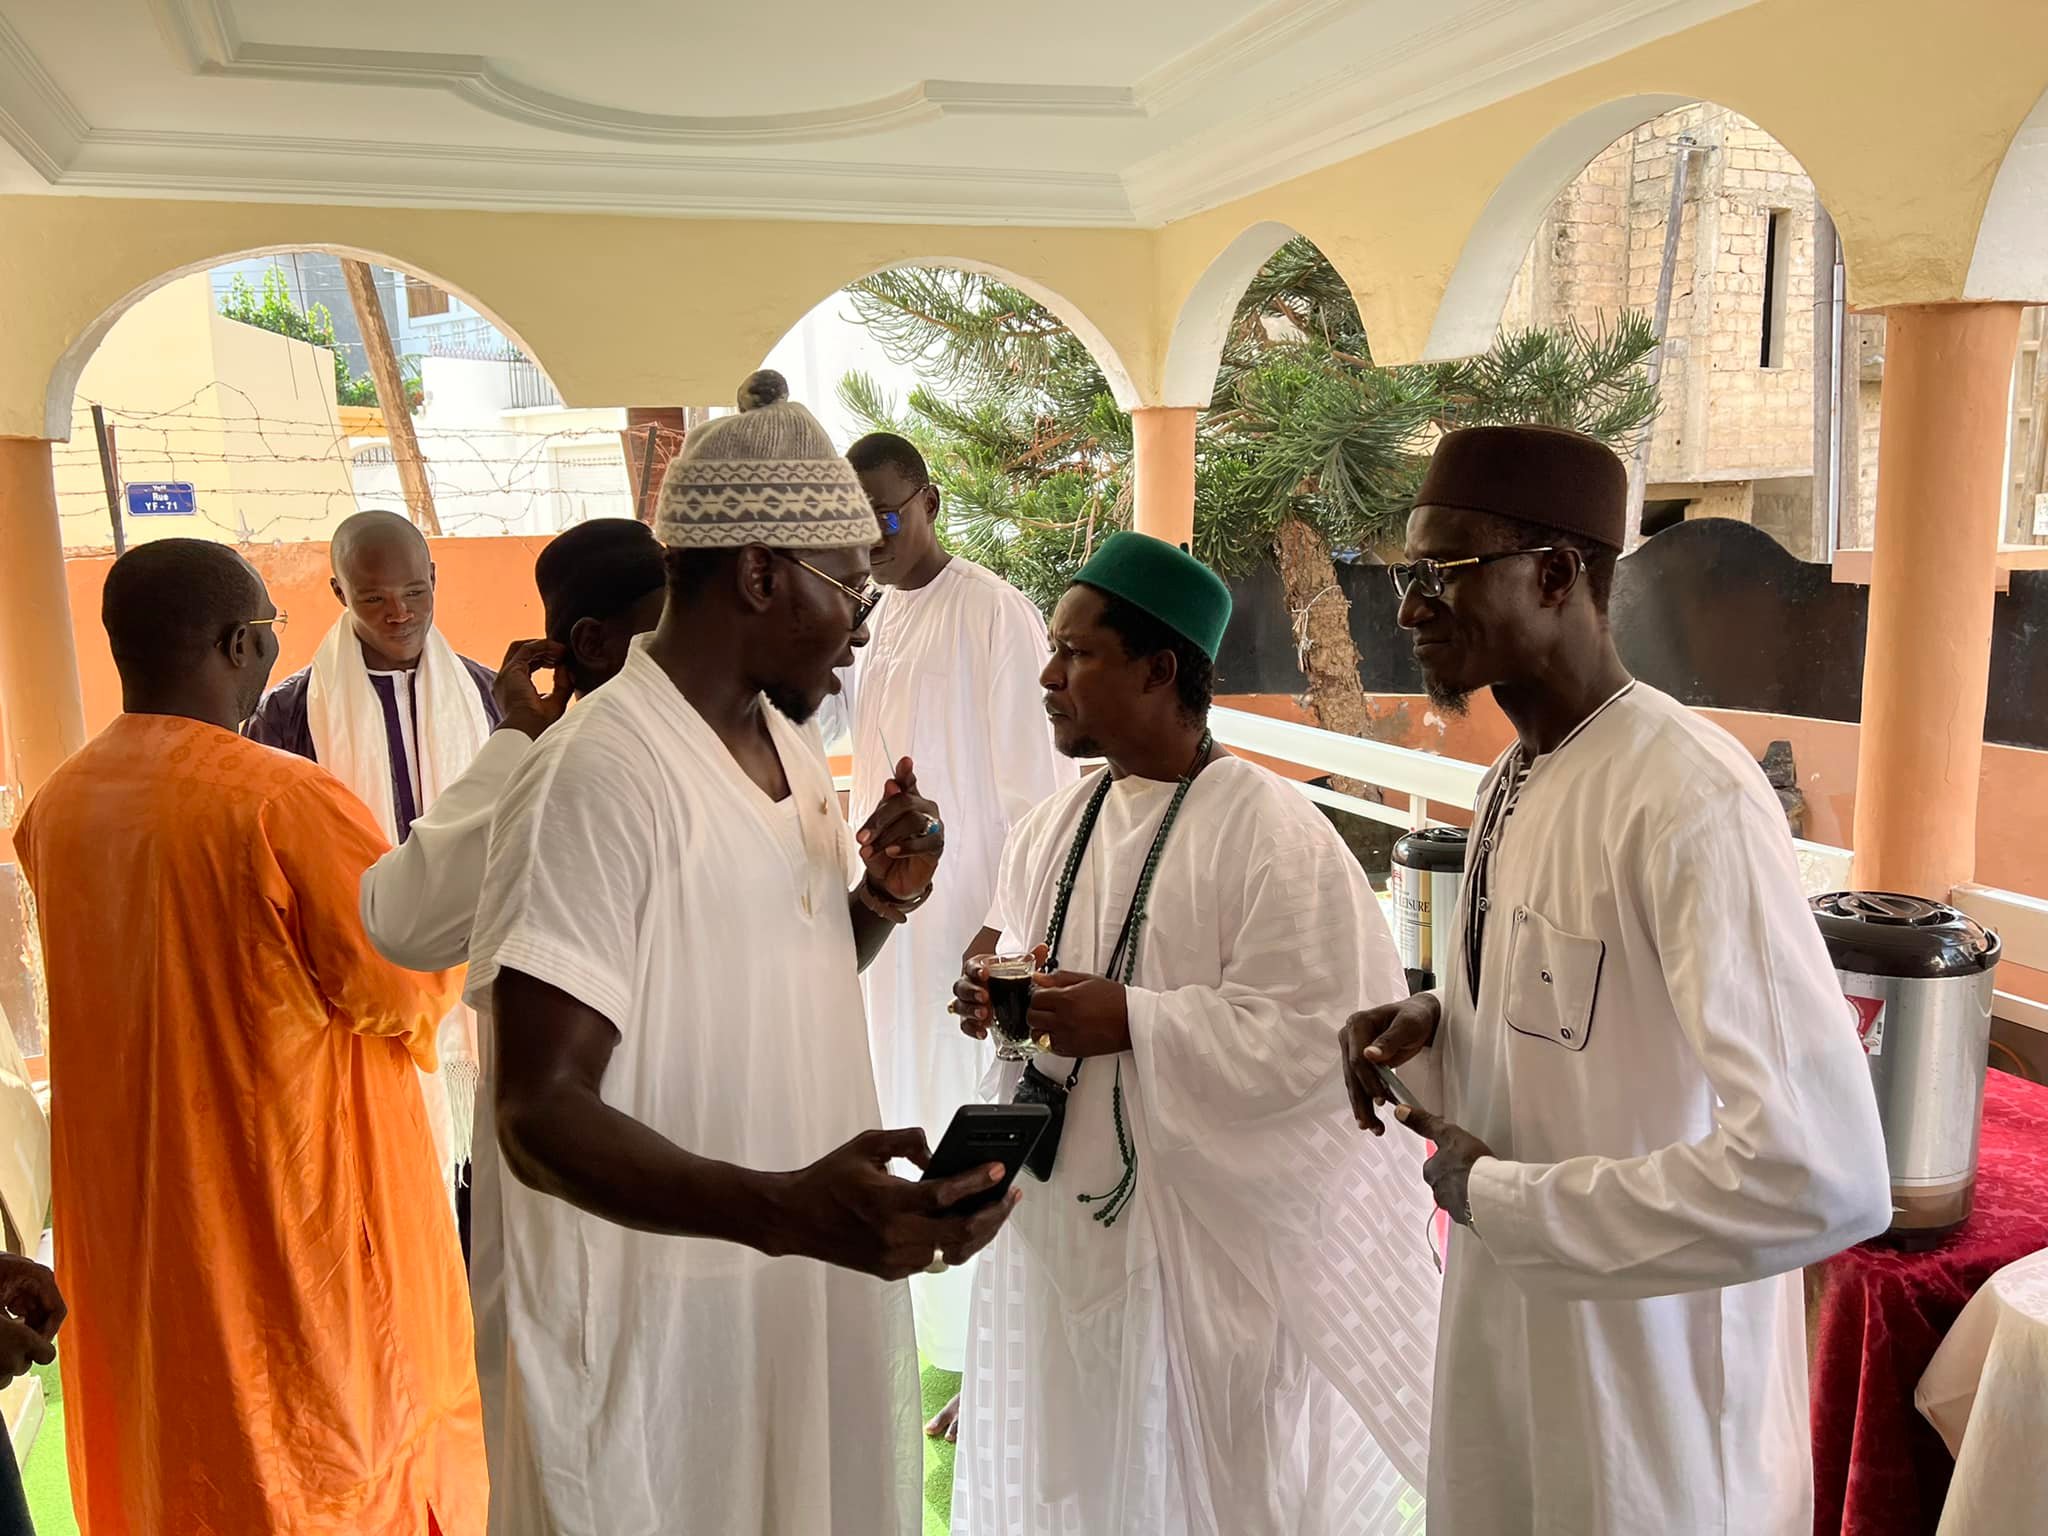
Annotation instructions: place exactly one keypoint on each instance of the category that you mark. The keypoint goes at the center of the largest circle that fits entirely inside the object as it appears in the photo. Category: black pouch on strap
(1036, 1088)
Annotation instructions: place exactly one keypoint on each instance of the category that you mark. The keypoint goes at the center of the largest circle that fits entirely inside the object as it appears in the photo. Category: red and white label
(1868, 1014)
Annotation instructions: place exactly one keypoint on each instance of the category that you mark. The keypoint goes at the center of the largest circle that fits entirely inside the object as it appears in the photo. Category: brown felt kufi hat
(1542, 475)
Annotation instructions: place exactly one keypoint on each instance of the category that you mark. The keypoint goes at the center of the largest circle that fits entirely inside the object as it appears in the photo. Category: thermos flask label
(1867, 1013)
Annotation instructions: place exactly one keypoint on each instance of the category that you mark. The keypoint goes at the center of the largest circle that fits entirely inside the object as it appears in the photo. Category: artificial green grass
(938, 1454)
(48, 1483)
(45, 1479)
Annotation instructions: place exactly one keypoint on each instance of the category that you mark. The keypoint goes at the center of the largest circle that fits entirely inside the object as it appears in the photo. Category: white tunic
(1246, 1349)
(419, 906)
(665, 1384)
(1661, 1057)
(950, 680)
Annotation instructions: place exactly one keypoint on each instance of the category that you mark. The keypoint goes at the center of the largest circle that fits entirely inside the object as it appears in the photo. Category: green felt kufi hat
(1165, 581)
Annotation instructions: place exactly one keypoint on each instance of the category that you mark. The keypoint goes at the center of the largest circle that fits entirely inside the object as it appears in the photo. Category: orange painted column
(40, 710)
(1163, 472)
(1927, 660)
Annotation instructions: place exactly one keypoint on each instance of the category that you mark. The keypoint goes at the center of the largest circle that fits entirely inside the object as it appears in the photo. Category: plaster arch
(1195, 345)
(1469, 313)
(2010, 258)
(63, 383)
(1123, 383)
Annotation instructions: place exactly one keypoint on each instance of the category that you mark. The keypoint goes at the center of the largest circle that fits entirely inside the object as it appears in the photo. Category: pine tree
(1308, 450)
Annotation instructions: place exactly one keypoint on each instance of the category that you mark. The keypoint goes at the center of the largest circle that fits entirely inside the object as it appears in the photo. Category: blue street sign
(162, 498)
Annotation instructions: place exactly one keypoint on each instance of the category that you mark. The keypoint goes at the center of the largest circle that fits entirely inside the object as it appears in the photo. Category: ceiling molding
(204, 34)
(36, 118)
(1370, 95)
(1351, 111)
(1267, 29)
(481, 176)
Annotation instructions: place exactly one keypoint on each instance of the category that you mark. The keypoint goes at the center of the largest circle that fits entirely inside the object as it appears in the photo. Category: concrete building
(503, 454)
(420, 315)
(1735, 437)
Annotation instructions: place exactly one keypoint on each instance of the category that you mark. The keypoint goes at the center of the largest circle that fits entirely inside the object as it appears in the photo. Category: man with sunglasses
(269, 1330)
(700, 1227)
(948, 678)
(1649, 1104)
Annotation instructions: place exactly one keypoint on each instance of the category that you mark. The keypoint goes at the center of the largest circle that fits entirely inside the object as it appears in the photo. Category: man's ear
(587, 643)
(1162, 671)
(239, 645)
(756, 573)
(1557, 573)
(334, 586)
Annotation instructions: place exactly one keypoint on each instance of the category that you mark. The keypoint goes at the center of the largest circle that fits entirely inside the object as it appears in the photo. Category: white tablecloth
(1986, 1394)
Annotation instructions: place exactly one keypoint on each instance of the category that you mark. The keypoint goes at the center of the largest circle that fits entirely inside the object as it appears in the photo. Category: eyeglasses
(277, 620)
(1427, 576)
(863, 598)
(891, 518)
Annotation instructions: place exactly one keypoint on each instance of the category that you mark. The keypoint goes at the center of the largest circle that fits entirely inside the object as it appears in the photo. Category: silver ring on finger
(938, 1265)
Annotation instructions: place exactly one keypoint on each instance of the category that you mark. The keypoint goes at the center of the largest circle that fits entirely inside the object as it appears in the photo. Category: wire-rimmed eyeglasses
(1427, 576)
(863, 598)
(277, 620)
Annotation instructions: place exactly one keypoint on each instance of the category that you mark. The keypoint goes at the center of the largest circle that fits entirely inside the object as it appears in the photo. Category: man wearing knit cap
(1216, 1314)
(1650, 1106)
(601, 583)
(702, 1237)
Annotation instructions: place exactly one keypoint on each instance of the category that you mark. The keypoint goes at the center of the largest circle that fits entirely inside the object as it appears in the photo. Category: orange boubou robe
(269, 1327)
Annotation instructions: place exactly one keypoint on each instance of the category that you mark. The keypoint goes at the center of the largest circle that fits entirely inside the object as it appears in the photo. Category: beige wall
(245, 416)
(1408, 222)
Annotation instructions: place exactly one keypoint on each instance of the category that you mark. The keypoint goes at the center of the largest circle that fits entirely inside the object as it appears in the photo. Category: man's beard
(1453, 701)
(791, 703)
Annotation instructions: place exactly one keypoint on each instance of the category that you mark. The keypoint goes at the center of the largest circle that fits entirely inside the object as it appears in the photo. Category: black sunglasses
(1427, 576)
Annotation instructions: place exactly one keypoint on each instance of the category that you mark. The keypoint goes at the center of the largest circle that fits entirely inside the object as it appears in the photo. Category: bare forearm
(574, 1146)
(870, 929)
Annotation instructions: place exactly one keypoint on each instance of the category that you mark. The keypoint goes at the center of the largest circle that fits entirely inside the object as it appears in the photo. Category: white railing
(1413, 781)
(1418, 779)
(2021, 923)
(1422, 779)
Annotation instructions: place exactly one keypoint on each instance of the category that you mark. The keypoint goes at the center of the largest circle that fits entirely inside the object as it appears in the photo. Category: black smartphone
(1395, 1088)
(987, 1133)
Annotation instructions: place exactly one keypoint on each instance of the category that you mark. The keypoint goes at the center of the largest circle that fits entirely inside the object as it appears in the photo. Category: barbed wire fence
(261, 479)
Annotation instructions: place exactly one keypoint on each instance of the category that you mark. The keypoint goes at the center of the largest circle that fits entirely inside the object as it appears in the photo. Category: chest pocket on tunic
(1553, 981)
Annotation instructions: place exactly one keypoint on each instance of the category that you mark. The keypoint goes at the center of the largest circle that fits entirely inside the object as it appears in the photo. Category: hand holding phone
(987, 1133)
(1395, 1089)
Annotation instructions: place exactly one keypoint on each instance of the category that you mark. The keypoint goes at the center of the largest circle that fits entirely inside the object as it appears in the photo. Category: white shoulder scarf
(346, 719)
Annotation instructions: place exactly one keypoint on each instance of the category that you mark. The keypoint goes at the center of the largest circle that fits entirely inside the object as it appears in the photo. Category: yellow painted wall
(1900, 111)
(245, 416)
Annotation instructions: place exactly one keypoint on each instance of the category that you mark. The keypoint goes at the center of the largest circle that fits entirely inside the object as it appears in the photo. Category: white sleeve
(571, 866)
(1309, 947)
(1794, 1168)
(1026, 767)
(419, 900)
(1008, 911)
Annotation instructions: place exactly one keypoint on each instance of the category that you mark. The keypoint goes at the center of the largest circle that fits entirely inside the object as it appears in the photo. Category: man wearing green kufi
(1187, 1329)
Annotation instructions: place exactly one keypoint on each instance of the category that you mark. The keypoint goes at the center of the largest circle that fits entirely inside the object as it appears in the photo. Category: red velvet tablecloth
(1879, 1469)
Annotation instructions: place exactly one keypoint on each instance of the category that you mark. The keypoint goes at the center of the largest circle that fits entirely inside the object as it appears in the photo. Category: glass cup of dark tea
(1009, 981)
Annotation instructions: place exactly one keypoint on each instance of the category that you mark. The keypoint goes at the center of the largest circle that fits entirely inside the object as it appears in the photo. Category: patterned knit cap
(769, 476)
